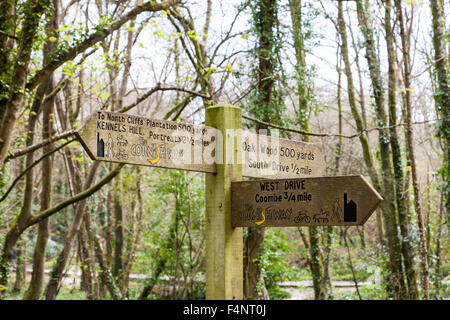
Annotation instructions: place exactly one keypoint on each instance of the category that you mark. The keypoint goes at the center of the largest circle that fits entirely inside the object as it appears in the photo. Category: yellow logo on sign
(258, 223)
(154, 161)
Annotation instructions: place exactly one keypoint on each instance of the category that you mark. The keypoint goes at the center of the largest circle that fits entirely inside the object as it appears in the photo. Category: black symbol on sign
(121, 154)
(109, 147)
(336, 211)
(100, 146)
(302, 216)
(121, 141)
(349, 210)
(321, 217)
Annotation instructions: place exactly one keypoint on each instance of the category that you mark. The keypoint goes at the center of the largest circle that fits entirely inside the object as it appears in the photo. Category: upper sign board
(324, 201)
(119, 137)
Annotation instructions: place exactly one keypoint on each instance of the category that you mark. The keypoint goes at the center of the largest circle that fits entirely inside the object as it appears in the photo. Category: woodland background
(366, 80)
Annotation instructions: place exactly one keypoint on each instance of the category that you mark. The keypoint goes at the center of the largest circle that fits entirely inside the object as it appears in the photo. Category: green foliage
(267, 99)
(53, 248)
(368, 292)
(5, 176)
(365, 262)
(305, 38)
(176, 232)
(67, 293)
(274, 267)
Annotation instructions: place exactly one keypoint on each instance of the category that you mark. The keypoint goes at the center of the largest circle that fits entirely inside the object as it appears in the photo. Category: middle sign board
(273, 157)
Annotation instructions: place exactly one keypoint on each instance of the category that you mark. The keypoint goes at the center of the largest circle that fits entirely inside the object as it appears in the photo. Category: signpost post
(224, 244)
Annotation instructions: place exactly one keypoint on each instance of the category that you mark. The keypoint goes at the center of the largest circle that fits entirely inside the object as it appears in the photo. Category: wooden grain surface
(271, 157)
(118, 137)
(323, 201)
(224, 244)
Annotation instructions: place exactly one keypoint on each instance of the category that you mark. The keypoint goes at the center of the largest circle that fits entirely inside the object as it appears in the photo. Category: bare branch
(19, 153)
(315, 134)
(159, 88)
(31, 166)
(78, 197)
(71, 53)
(9, 35)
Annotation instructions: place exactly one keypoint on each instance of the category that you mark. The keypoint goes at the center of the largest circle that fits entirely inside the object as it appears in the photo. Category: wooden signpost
(226, 153)
(324, 201)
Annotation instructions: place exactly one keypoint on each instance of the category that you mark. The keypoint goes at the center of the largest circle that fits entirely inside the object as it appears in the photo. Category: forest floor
(303, 290)
(297, 290)
(341, 289)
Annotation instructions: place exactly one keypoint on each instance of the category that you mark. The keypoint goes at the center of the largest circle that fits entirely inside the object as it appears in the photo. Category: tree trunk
(20, 267)
(254, 244)
(409, 140)
(37, 277)
(442, 95)
(109, 224)
(399, 178)
(264, 21)
(437, 266)
(391, 224)
(86, 266)
(105, 274)
(118, 234)
(360, 79)
(327, 250)
(338, 152)
(58, 269)
(7, 28)
(395, 282)
(301, 71)
(91, 258)
(351, 264)
(25, 212)
(134, 238)
(317, 268)
(31, 20)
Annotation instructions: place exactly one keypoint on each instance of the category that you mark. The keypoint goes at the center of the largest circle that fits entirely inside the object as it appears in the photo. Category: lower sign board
(322, 201)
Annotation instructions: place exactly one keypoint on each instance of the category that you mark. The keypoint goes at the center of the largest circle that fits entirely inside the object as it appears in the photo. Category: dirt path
(303, 290)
